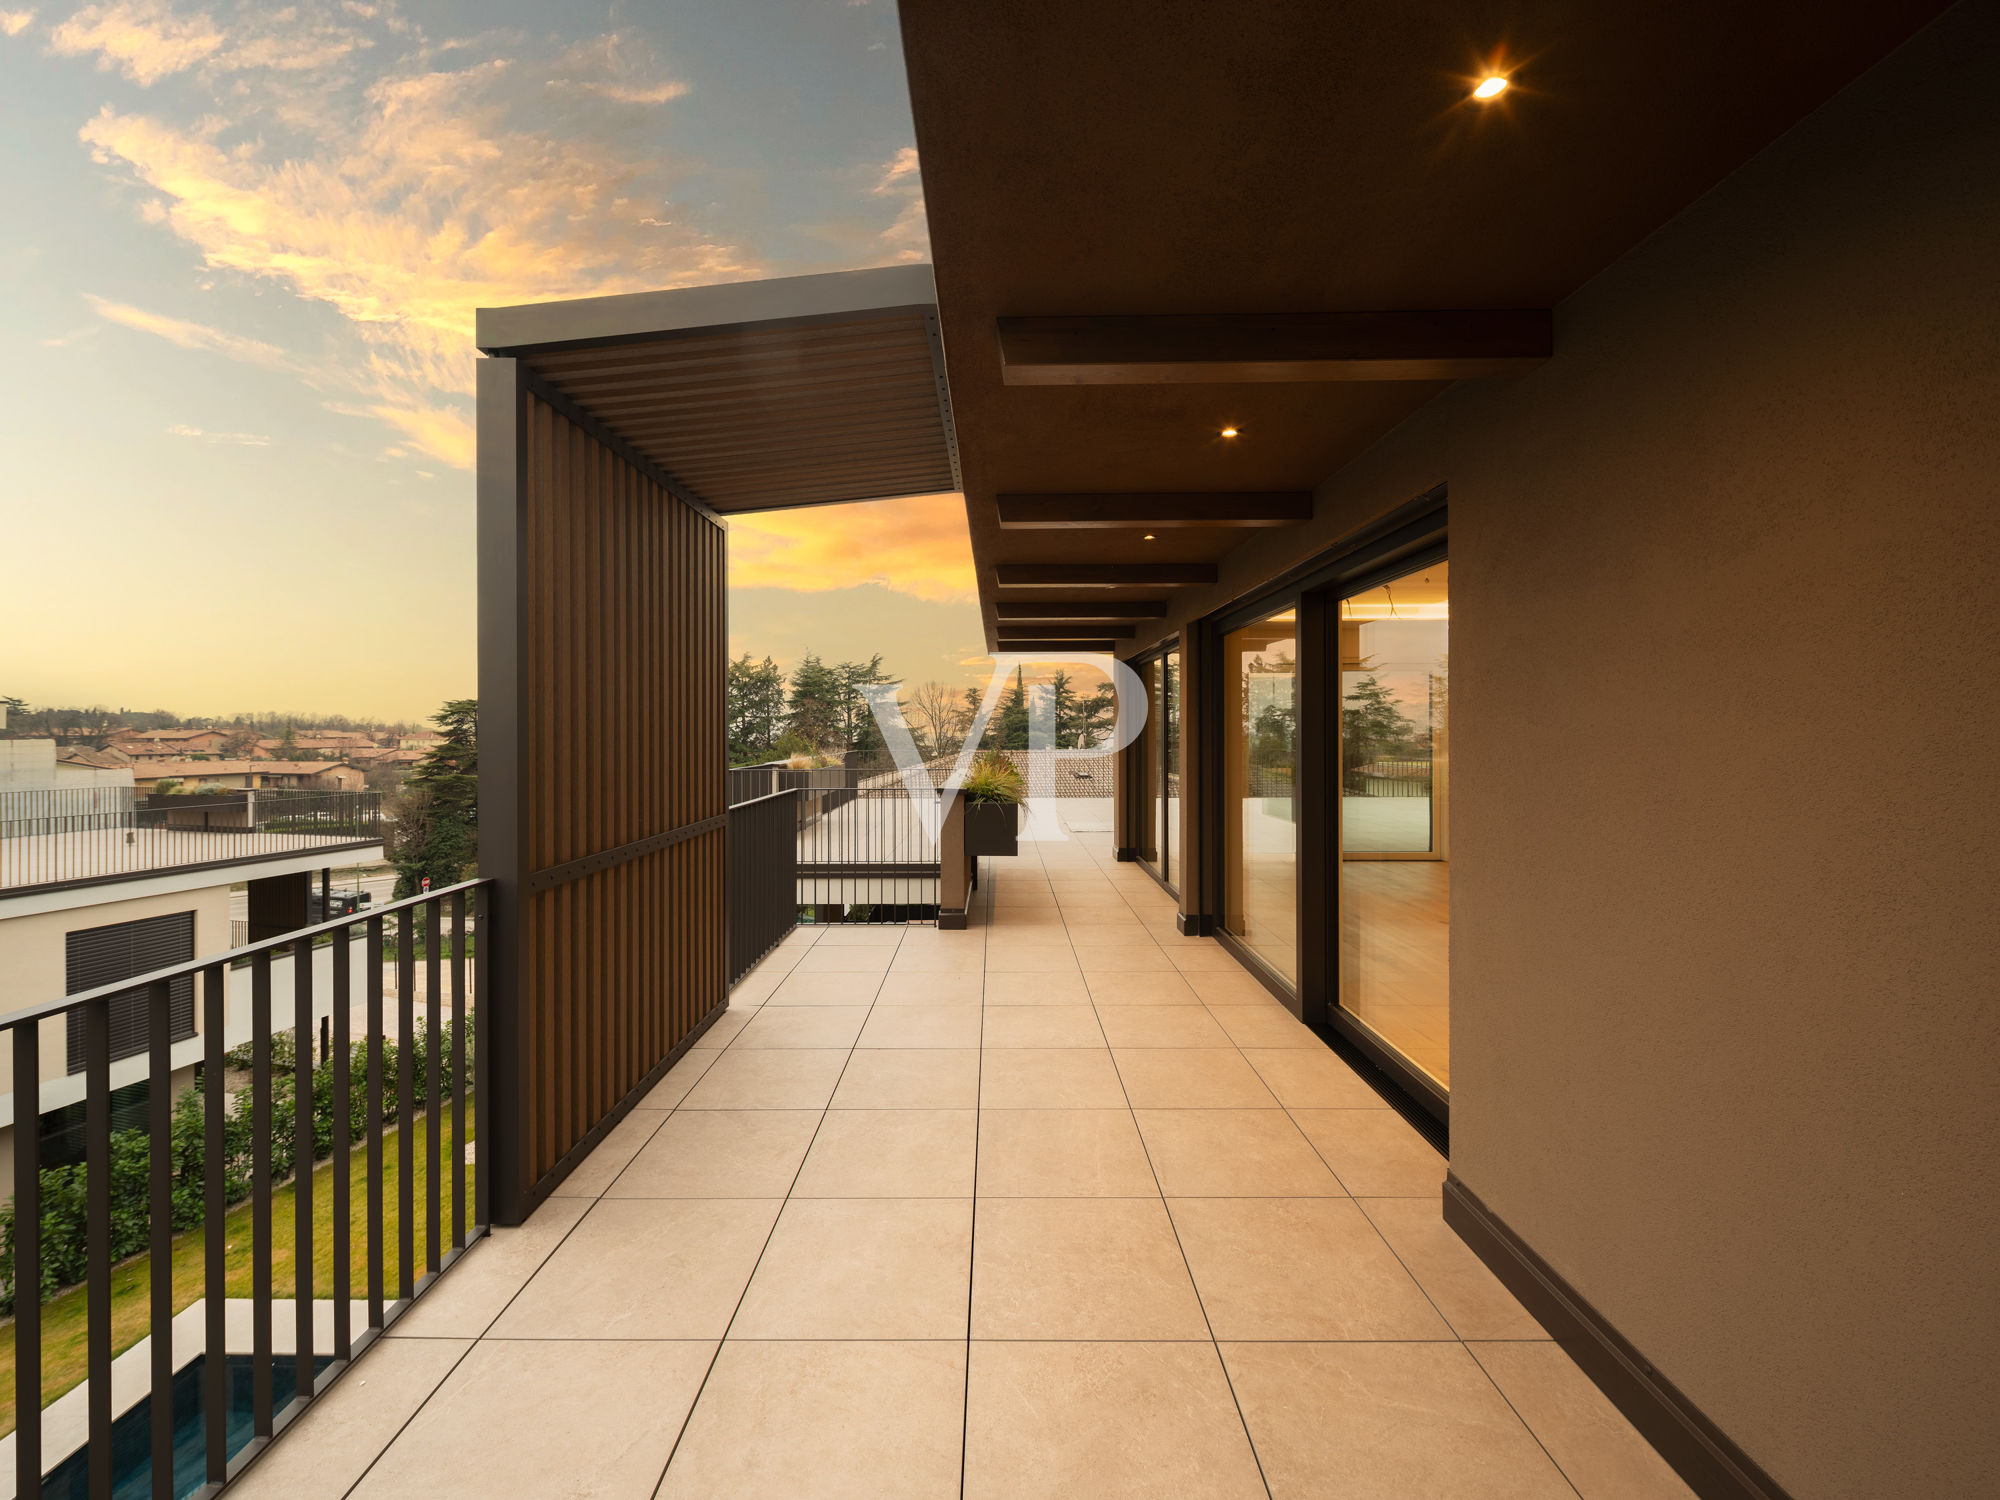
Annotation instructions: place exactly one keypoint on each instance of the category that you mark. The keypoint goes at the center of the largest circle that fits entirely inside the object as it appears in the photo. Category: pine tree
(434, 830)
(1372, 726)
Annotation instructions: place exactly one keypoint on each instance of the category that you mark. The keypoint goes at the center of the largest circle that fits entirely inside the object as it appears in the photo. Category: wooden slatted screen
(610, 763)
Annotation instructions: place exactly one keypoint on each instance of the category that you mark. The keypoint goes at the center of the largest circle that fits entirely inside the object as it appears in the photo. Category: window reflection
(1260, 790)
(1394, 798)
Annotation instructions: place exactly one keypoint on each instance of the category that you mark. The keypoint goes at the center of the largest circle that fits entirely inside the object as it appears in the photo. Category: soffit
(1107, 159)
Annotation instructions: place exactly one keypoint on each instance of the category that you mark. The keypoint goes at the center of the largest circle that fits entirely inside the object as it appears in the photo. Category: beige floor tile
(486, 1278)
(922, 1026)
(681, 1077)
(1047, 932)
(1042, 1026)
(861, 935)
(340, 1435)
(1193, 1078)
(1374, 1152)
(1109, 1421)
(864, 1268)
(1305, 1079)
(722, 1030)
(1059, 1078)
(645, 1268)
(1393, 1421)
(1160, 1026)
(1226, 1153)
(1192, 956)
(908, 1079)
(608, 1157)
(891, 1153)
(931, 989)
(1600, 1452)
(781, 1078)
(1036, 989)
(1299, 1268)
(842, 1421)
(1124, 937)
(523, 1418)
(1062, 1153)
(1080, 1268)
(830, 959)
(721, 1153)
(1471, 1297)
(927, 960)
(803, 1026)
(1141, 989)
(1268, 1026)
(802, 937)
(1133, 960)
(755, 987)
(1220, 987)
(826, 989)
(1031, 958)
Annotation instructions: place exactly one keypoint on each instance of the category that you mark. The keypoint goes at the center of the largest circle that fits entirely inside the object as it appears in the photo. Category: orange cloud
(917, 545)
(191, 335)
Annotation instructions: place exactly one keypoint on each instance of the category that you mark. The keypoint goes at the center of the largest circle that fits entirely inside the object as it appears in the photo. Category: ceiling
(1300, 157)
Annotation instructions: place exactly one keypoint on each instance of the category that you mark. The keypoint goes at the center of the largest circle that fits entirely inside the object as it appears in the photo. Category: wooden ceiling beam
(1091, 644)
(1153, 511)
(1058, 632)
(1242, 348)
(1101, 575)
(1074, 612)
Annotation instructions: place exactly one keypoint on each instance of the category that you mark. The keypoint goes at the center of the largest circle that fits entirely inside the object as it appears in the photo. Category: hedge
(65, 1205)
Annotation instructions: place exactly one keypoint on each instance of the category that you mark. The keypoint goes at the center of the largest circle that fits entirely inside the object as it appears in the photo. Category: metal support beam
(1077, 611)
(1153, 511)
(1102, 575)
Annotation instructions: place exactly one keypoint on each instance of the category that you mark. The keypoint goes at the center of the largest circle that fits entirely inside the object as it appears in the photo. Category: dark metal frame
(1135, 794)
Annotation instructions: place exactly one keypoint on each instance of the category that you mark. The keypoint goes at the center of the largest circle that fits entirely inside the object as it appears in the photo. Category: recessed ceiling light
(1150, 537)
(1490, 88)
(1229, 432)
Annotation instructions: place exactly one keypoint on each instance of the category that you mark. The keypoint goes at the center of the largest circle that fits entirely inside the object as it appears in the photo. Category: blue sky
(236, 288)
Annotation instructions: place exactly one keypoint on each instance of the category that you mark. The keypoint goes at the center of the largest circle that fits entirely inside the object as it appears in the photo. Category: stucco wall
(1725, 1031)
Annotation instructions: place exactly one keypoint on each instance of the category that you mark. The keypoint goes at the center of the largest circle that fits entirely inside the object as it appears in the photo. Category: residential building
(140, 742)
(337, 776)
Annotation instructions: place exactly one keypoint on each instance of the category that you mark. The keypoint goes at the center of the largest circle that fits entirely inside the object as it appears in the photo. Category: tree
(756, 708)
(939, 719)
(240, 745)
(1372, 727)
(434, 827)
(813, 711)
(857, 721)
(1008, 728)
(288, 742)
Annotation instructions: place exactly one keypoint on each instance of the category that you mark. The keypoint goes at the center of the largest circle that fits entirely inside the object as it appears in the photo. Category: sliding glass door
(1156, 764)
(1260, 828)
(1395, 776)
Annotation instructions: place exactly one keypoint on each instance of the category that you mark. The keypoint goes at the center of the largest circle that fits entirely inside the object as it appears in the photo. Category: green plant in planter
(993, 778)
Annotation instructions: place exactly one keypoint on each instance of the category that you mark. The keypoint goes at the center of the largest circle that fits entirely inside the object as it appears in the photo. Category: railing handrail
(767, 797)
(289, 939)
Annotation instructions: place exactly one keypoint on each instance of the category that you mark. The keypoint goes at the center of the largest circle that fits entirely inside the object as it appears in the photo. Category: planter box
(992, 828)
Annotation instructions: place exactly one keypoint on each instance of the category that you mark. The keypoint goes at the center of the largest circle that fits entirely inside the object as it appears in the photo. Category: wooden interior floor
(1396, 957)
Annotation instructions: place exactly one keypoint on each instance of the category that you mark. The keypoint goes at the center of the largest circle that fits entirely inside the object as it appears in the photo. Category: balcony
(1049, 1206)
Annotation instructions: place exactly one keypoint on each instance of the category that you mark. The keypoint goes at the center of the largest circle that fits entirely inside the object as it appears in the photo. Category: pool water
(132, 1434)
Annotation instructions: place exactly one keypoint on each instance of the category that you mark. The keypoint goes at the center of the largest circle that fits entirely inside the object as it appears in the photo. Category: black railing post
(341, 1002)
(482, 1052)
(214, 1174)
(97, 1212)
(459, 1078)
(433, 1097)
(406, 1105)
(303, 1146)
(372, 947)
(260, 1193)
(160, 1240)
(27, 1260)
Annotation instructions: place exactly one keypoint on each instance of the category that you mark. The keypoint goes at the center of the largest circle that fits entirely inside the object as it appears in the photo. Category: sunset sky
(237, 279)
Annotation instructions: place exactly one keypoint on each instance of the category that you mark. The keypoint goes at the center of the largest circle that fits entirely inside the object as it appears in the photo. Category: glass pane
(1170, 753)
(1146, 770)
(1394, 782)
(1260, 790)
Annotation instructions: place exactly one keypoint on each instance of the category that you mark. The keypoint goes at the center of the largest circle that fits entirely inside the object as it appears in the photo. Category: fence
(763, 900)
(1390, 778)
(868, 846)
(55, 838)
(218, 1447)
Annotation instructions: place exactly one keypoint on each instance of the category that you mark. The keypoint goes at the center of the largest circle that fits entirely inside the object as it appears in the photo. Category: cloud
(142, 39)
(916, 545)
(909, 237)
(192, 335)
(239, 439)
(406, 204)
(14, 22)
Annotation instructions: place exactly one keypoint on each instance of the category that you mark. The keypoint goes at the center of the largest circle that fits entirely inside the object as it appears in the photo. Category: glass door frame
(1315, 590)
(1143, 802)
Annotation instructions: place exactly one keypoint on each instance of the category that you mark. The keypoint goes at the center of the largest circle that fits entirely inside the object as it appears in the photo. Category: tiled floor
(1061, 1205)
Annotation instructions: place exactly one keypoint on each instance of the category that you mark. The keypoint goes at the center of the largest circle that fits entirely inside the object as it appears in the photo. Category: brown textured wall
(1726, 701)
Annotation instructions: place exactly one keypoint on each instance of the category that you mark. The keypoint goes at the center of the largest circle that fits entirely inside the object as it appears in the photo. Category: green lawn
(65, 1326)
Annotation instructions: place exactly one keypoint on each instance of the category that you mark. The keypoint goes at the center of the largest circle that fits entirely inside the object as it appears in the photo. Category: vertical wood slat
(622, 631)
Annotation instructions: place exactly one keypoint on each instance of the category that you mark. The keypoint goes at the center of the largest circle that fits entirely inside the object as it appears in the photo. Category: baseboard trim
(1699, 1451)
(1195, 924)
(951, 921)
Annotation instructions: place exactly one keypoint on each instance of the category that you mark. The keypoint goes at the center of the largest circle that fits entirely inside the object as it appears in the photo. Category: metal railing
(357, 1073)
(868, 846)
(57, 838)
(763, 900)
(1389, 778)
